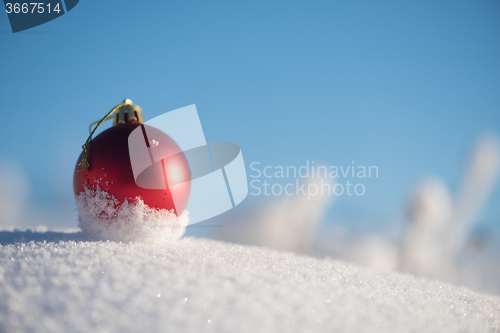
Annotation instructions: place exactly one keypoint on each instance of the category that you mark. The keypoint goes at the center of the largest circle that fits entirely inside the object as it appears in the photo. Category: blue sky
(404, 85)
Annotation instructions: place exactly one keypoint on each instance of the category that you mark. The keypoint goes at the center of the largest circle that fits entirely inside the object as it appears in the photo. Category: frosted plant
(288, 224)
(372, 251)
(14, 191)
(438, 230)
(478, 183)
(422, 251)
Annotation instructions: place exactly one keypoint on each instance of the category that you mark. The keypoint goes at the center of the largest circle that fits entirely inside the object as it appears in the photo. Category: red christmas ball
(110, 169)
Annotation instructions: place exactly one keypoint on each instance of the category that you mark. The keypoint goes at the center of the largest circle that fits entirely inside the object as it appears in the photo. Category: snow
(63, 282)
(101, 216)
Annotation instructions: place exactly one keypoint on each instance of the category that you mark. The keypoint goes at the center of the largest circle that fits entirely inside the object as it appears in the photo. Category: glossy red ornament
(110, 169)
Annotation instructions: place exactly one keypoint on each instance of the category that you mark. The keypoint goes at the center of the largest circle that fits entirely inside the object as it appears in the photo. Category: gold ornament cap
(128, 113)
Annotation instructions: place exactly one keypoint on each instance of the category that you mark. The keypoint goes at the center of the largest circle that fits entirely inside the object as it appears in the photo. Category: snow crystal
(101, 217)
(60, 282)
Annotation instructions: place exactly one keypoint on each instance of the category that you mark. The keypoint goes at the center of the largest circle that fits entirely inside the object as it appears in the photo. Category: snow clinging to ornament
(135, 181)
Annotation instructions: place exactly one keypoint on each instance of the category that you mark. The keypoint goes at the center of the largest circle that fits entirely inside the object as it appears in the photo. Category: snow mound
(58, 282)
(101, 217)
